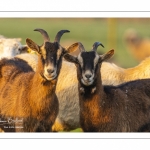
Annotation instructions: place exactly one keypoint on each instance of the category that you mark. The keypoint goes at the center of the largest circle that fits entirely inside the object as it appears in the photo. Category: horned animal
(67, 87)
(28, 102)
(122, 108)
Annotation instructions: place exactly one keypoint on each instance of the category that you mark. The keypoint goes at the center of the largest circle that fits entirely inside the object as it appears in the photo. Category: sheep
(122, 108)
(67, 87)
(28, 102)
(10, 47)
(2, 37)
(139, 47)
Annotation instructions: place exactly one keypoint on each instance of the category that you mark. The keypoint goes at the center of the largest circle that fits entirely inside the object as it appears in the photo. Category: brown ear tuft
(112, 51)
(109, 54)
(72, 48)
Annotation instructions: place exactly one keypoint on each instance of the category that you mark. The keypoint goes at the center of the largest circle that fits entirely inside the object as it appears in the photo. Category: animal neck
(39, 67)
(91, 105)
(42, 90)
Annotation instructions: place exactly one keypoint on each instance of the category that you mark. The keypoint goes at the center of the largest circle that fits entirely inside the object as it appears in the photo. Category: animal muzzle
(87, 78)
(50, 73)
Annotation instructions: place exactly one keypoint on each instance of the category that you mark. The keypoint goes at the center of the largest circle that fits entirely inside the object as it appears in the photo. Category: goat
(139, 47)
(122, 108)
(67, 87)
(28, 102)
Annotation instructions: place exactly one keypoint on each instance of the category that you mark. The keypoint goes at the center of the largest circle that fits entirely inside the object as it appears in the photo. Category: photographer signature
(11, 120)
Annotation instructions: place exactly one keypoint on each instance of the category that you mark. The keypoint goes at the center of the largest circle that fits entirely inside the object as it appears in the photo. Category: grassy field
(109, 31)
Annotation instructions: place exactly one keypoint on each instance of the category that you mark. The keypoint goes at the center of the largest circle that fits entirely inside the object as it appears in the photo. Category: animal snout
(88, 76)
(50, 71)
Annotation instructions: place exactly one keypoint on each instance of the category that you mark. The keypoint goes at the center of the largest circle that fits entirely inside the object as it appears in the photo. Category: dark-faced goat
(122, 108)
(28, 102)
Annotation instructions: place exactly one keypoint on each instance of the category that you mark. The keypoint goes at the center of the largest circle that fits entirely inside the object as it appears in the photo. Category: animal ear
(107, 55)
(70, 58)
(71, 48)
(32, 45)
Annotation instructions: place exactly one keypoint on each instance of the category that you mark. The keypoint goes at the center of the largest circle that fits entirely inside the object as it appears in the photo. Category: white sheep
(10, 47)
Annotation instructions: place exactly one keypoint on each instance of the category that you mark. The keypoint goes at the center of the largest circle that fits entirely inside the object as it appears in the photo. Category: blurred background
(129, 37)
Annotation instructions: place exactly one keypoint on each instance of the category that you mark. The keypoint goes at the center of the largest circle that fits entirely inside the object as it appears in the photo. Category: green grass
(86, 30)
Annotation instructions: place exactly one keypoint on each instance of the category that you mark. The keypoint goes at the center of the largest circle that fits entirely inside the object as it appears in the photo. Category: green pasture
(109, 31)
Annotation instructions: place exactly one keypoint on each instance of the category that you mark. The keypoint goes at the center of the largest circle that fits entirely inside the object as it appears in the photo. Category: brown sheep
(139, 47)
(123, 108)
(28, 102)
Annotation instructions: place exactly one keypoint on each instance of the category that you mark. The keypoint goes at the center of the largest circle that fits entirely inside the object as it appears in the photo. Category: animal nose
(88, 76)
(19, 49)
(50, 70)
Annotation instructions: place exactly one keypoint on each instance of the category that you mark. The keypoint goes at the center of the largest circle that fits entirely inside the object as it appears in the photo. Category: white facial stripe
(80, 60)
(59, 52)
(96, 60)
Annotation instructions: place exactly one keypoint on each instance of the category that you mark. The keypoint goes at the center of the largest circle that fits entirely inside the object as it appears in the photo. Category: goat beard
(51, 77)
(47, 78)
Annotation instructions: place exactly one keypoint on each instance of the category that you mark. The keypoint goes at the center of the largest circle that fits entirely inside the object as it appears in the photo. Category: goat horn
(59, 34)
(96, 44)
(44, 33)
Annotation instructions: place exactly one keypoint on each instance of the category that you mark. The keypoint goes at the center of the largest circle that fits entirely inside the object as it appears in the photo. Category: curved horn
(96, 44)
(59, 34)
(44, 33)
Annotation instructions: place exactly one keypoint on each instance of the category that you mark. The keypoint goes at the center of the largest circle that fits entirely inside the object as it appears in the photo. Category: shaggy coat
(10, 47)
(28, 102)
(67, 87)
(123, 108)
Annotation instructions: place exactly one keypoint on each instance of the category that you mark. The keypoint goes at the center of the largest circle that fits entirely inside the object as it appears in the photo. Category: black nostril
(88, 76)
(50, 70)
